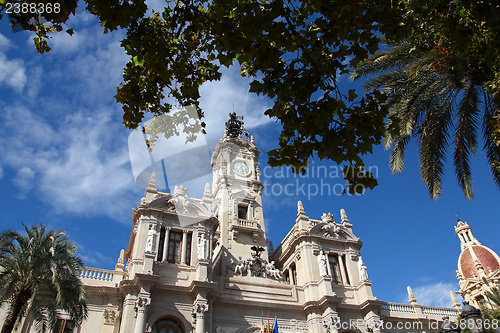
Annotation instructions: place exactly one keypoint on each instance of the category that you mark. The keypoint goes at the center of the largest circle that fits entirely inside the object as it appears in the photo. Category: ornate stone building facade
(205, 265)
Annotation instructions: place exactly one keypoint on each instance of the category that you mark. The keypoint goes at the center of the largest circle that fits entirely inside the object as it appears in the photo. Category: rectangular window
(65, 326)
(334, 268)
(188, 249)
(293, 278)
(174, 247)
(287, 276)
(242, 212)
(159, 255)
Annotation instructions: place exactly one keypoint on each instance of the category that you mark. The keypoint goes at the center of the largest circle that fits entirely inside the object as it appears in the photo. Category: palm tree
(435, 95)
(494, 296)
(39, 273)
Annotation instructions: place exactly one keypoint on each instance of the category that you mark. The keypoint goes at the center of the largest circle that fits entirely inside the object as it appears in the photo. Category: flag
(268, 325)
(263, 328)
(275, 329)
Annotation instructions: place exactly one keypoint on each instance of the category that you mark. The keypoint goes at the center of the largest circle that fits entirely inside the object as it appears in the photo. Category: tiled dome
(485, 256)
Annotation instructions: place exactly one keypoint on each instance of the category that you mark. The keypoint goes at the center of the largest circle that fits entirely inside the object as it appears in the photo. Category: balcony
(245, 226)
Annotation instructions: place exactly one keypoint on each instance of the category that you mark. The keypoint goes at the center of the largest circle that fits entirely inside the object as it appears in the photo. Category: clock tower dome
(237, 190)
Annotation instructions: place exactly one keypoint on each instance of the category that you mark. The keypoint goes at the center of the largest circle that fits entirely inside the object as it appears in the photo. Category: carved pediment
(332, 230)
(183, 205)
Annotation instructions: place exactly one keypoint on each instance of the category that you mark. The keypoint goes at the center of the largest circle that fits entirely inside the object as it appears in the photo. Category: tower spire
(464, 233)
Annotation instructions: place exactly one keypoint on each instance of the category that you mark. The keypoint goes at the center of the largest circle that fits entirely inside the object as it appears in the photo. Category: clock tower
(237, 189)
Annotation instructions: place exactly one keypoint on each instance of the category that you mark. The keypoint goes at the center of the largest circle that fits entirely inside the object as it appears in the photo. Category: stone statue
(322, 264)
(270, 270)
(240, 267)
(363, 273)
(151, 241)
(234, 126)
(202, 248)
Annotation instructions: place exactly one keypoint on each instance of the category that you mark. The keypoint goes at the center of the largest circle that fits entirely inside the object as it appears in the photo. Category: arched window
(167, 325)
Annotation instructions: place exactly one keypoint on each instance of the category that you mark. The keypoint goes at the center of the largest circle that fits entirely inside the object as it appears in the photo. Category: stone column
(194, 248)
(128, 313)
(332, 324)
(165, 244)
(328, 268)
(184, 247)
(141, 306)
(199, 312)
(373, 322)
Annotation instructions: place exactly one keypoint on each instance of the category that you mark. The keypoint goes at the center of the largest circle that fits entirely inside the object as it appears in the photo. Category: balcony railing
(98, 274)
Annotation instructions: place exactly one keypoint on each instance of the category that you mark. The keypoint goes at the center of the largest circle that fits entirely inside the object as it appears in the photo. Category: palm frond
(466, 138)
(494, 295)
(492, 150)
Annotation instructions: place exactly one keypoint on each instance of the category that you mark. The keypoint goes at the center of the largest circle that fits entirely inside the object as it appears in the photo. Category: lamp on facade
(449, 327)
(472, 318)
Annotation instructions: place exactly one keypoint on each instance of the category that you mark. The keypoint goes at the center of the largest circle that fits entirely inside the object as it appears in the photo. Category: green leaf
(352, 95)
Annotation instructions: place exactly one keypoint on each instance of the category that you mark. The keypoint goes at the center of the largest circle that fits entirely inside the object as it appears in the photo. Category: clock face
(241, 168)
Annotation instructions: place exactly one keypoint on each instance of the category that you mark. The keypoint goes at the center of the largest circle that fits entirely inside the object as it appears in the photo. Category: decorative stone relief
(179, 202)
(255, 236)
(256, 266)
(110, 316)
(331, 230)
(327, 218)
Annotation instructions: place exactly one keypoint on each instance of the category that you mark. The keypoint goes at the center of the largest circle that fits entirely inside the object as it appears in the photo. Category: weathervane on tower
(234, 126)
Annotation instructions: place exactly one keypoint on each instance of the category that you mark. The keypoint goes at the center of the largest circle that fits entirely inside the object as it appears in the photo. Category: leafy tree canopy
(295, 51)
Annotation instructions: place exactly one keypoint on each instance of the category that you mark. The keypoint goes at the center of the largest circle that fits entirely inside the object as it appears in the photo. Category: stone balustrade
(245, 223)
(431, 310)
(97, 276)
(312, 222)
(398, 307)
(400, 310)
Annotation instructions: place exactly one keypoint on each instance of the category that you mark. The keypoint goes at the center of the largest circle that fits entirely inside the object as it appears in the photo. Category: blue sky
(64, 162)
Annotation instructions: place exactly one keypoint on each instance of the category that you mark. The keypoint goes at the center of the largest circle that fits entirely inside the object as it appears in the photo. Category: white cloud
(80, 165)
(12, 72)
(24, 180)
(64, 43)
(5, 43)
(434, 294)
